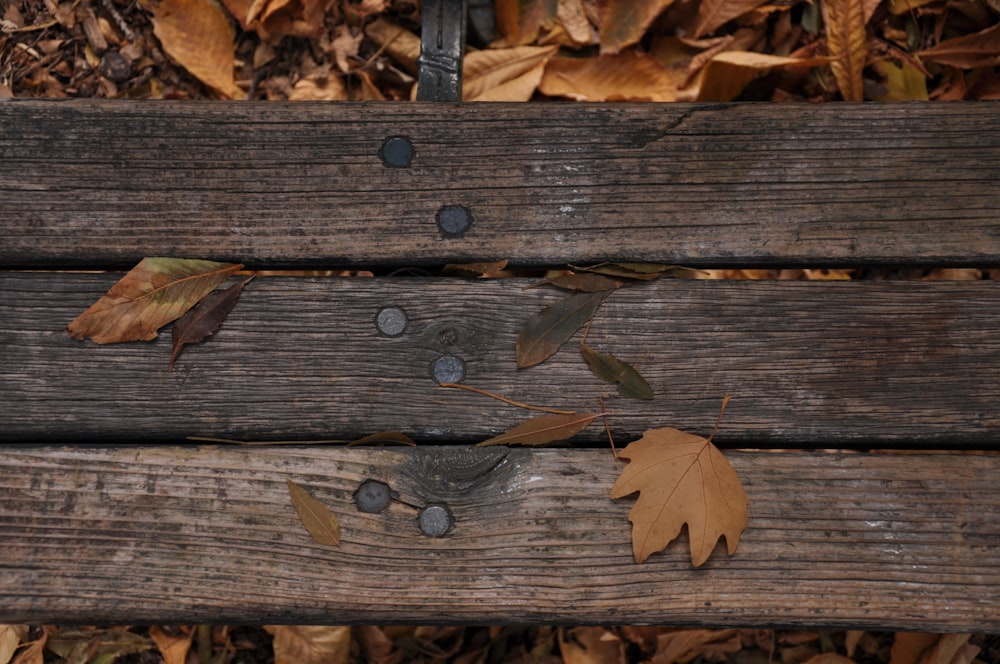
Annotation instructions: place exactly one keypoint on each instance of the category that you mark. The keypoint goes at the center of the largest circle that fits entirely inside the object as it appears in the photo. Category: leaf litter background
(532, 50)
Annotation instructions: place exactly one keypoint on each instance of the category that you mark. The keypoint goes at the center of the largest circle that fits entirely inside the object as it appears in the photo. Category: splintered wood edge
(192, 534)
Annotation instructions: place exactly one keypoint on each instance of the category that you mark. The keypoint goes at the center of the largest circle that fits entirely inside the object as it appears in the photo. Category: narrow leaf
(383, 437)
(681, 478)
(846, 40)
(582, 283)
(641, 271)
(980, 49)
(204, 320)
(550, 328)
(155, 292)
(483, 270)
(544, 429)
(316, 517)
(610, 369)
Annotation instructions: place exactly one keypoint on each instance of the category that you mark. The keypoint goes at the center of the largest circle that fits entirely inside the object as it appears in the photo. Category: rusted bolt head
(391, 321)
(454, 220)
(435, 521)
(448, 369)
(397, 152)
(372, 496)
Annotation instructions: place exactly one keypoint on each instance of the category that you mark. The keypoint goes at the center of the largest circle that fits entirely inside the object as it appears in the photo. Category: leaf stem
(511, 402)
(718, 421)
(607, 428)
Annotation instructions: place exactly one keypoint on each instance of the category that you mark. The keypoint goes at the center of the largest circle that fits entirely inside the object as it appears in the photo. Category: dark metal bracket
(441, 45)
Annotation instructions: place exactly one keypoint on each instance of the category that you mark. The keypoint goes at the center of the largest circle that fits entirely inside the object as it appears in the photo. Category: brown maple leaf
(681, 478)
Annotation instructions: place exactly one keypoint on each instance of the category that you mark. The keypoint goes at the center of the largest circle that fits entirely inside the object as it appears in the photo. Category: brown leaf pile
(590, 50)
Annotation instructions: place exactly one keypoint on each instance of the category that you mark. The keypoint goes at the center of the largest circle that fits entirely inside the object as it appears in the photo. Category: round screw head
(454, 220)
(397, 152)
(391, 321)
(372, 496)
(435, 521)
(448, 369)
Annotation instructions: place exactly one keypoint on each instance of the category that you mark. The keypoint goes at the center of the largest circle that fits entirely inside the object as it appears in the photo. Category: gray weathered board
(132, 535)
(806, 364)
(94, 183)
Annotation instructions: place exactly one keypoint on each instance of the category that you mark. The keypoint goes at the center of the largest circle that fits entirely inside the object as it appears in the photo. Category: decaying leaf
(921, 648)
(316, 517)
(681, 478)
(198, 35)
(846, 40)
(581, 283)
(155, 292)
(519, 21)
(173, 647)
(384, 437)
(10, 640)
(627, 76)
(624, 22)
(610, 369)
(712, 14)
(204, 320)
(728, 73)
(981, 49)
(310, 644)
(402, 45)
(544, 429)
(507, 74)
(591, 645)
(97, 645)
(543, 334)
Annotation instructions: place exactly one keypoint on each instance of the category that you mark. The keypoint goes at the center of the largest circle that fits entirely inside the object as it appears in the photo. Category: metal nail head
(397, 152)
(454, 220)
(448, 369)
(435, 521)
(372, 496)
(391, 321)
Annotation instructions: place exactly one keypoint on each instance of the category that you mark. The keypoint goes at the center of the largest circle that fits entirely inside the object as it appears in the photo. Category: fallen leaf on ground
(384, 437)
(922, 648)
(507, 74)
(640, 271)
(846, 40)
(590, 645)
(198, 35)
(627, 76)
(581, 283)
(685, 645)
(519, 21)
(544, 429)
(624, 22)
(173, 647)
(155, 292)
(10, 640)
(981, 49)
(728, 73)
(204, 320)
(543, 334)
(316, 517)
(829, 658)
(97, 645)
(612, 370)
(483, 270)
(310, 644)
(712, 14)
(681, 478)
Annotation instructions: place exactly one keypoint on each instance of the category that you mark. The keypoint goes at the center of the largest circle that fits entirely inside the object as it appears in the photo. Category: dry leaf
(610, 369)
(10, 640)
(198, 35)
(581, 283)
(628, 76)
(685, 645)
(507, 74)
(712, 14)
(96, 645)
(624, 22)
(640, 271)
(846, 40)
(155, 292)
(727, 73)
(317, 87)
(543, 334)
(519, 21)
(544, 429)
(279, 18)
(591, 645)
(402, 45)
(204, 320)
(981, 49)
(681, 478)
(482, 270)
(311, 644)
(829, 658)
(173, 647)
(316, 517)
(384, 437)
(922, 648)
(901, 83)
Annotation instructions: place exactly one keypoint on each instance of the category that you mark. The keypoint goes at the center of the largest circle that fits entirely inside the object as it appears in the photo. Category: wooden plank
(104, 183)
(163, 535)
(828, 364)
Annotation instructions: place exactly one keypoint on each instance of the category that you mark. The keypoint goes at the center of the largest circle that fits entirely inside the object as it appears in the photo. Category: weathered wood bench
(100, 525)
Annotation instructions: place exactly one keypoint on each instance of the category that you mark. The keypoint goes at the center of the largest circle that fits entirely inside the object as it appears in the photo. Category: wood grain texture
(178, 535)
(105, 183)
(806, 363)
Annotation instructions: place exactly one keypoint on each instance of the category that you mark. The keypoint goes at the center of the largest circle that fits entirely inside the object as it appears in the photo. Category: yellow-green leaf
(155, 292)
(316, 517)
